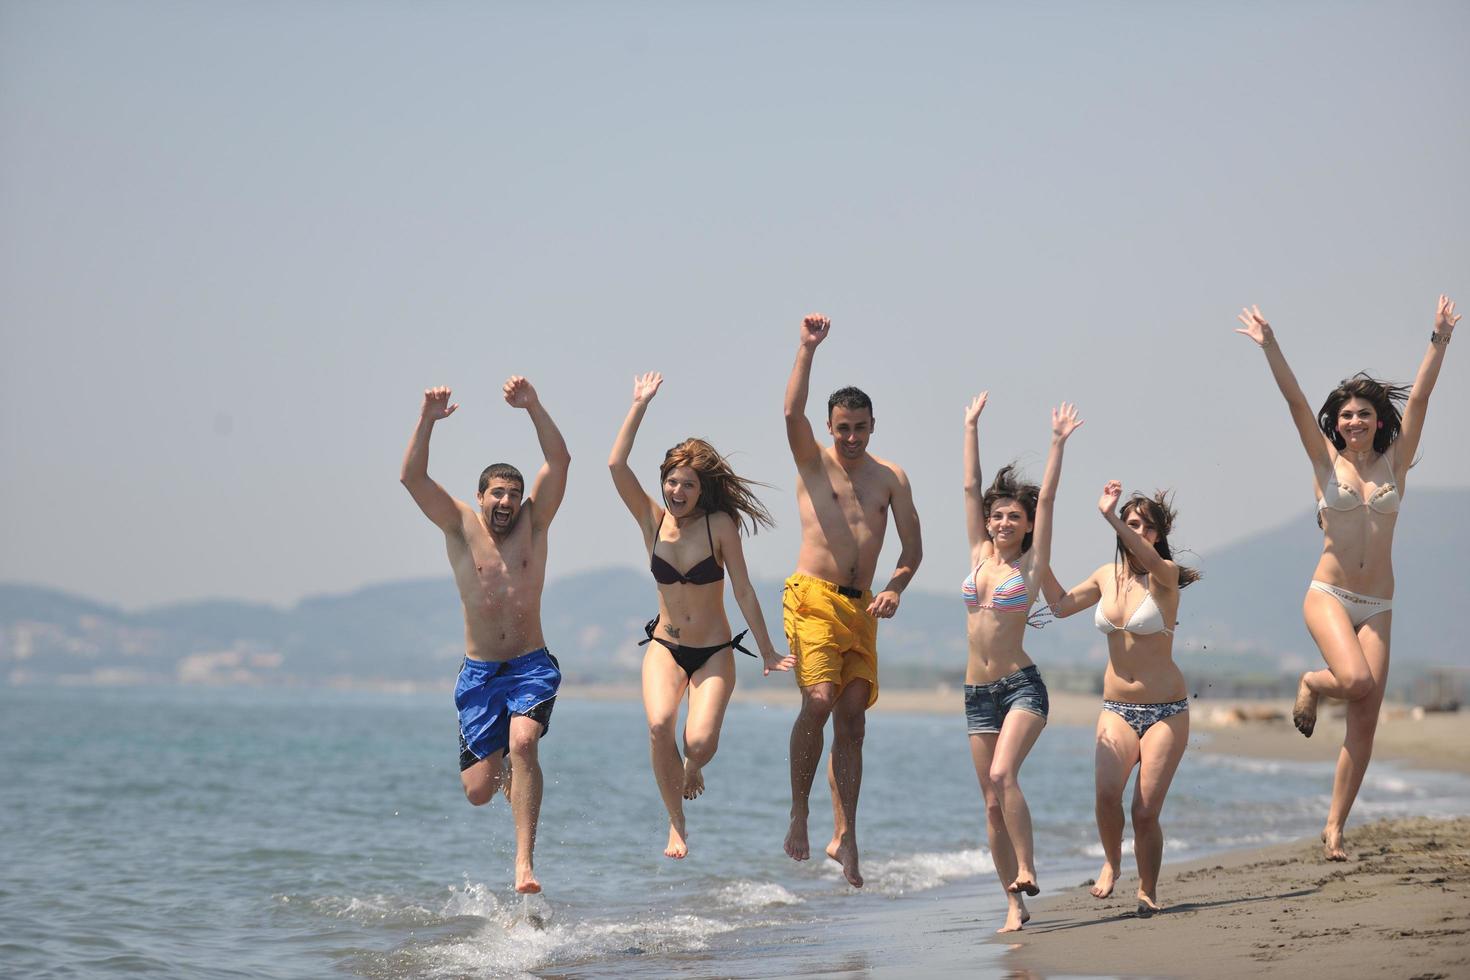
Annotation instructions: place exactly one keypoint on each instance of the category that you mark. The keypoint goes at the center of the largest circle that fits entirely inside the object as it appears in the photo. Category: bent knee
(1145, 816)
(660, 731)
(480, 793)
(701, 750)
(1356, 687)
(522, 746)
(818, 703)
(1004, 781)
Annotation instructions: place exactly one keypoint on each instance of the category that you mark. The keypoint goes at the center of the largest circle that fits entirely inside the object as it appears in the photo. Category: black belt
(851, 593)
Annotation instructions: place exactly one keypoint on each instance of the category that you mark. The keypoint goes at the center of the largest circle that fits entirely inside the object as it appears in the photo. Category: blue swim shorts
(986, 705)
(489, 692)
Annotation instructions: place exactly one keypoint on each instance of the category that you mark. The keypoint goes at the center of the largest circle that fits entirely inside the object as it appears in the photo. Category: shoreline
(1223, 726)
(1396, 907)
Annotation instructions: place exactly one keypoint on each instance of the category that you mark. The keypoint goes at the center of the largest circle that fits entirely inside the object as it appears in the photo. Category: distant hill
(1243, 617)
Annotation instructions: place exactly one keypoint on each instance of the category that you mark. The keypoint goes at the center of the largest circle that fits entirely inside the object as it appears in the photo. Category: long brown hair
(720, 489)
(1008, 485)
(1158, 513)
(1385, 398)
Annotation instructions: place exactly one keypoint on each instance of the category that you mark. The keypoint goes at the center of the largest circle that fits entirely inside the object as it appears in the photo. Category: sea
(224, 832)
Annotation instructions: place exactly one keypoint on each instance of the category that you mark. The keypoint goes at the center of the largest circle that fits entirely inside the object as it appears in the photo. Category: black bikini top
(705, 572)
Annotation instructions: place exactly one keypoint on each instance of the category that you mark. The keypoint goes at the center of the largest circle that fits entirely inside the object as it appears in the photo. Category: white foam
(750, 895)
(514, 946)
(371, 910)
(920, 872)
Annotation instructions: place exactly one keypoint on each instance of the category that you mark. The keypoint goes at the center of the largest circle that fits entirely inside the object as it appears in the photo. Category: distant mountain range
(1243, 617)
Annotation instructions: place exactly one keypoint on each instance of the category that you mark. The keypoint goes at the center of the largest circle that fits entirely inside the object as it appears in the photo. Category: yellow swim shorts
(832, 636)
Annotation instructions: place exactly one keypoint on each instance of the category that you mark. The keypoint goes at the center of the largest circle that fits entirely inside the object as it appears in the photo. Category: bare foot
(1025, 883)
(1016, 917)
(847, 856)
(693, 782)
(1304, 711)
(526, 882)
(1332, 849)
(1106, 879)
(1146, 905)
(678, 846)
(797, 846)
(832, 846)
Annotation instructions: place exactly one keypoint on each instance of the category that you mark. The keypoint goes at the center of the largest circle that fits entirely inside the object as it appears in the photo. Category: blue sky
(239, 239)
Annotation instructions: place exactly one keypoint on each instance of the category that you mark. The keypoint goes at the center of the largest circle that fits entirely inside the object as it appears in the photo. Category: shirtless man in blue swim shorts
(508, 683)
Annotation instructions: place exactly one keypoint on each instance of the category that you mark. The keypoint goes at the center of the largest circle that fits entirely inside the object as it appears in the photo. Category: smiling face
(1007, 523)
(681, 491)
(1357, 423)
(500, 503)
(851, 429)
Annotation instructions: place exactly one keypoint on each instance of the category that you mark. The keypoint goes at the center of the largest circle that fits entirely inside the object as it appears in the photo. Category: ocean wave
(517, 941)
(750, 895)
(366, 910)
(920, 872)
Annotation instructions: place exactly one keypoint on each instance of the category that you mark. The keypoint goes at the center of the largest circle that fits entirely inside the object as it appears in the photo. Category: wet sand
(1400, 907)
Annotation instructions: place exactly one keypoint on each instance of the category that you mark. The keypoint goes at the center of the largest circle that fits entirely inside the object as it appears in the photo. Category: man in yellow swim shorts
(844, 495)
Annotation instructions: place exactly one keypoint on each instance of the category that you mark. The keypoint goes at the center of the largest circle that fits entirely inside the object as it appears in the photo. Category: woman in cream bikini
(1361, 448)
(705, 507)
(1145, 716)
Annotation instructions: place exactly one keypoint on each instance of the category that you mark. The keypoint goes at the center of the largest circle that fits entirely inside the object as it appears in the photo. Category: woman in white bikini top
(1145, 710)
(1361, 443)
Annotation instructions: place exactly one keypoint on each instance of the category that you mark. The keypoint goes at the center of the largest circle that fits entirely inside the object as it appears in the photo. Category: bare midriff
(1357, 551)
(500, 583)
(995, 645)
(843, 518)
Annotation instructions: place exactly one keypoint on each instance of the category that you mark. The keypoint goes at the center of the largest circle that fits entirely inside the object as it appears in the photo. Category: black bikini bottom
(692, 658)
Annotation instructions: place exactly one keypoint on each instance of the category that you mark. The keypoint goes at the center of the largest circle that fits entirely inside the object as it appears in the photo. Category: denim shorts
(986, 705)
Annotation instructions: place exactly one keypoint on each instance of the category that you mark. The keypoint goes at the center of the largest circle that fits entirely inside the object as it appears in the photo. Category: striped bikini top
(1008, 596)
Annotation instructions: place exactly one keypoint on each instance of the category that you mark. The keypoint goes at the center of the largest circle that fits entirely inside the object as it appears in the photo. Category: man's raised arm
(804, 446)
(436, 503)
(550, 484)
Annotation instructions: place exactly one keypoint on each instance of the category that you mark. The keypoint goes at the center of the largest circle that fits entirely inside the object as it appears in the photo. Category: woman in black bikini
(705, 507)
(1361, 448)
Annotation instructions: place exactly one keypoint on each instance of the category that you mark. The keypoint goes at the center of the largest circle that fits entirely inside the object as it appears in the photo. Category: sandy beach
(1400, 907)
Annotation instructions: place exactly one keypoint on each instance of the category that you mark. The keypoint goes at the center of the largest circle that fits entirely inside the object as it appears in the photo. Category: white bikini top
(1337, 495)
(1145, 621)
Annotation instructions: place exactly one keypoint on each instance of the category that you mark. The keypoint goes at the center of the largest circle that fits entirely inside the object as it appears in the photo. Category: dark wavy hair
(1385, 398)
(720, 490)
(501, 471)
(1158, 513)
(850, 398)
(1008, 485)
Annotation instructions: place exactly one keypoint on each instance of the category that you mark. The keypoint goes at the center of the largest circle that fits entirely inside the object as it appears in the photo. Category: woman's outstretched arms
(974, 486)
(1445, 319)
(1313, 441)
(1079, 597)
(643, 508)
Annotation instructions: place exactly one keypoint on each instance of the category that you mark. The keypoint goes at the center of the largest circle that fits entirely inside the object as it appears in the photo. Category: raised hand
(977, 405)
(436, 404)
(645, 386)
(519, 393)
(814, 327)
(1256, 327)
(1064, 421)
(1108, 503)
(1445, 317)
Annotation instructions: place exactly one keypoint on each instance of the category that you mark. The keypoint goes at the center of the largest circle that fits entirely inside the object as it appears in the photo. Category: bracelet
(1435, 337)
